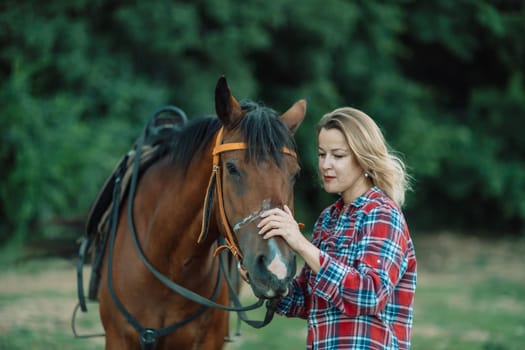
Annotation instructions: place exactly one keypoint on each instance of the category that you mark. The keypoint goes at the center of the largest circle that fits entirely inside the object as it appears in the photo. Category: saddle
(162, 126)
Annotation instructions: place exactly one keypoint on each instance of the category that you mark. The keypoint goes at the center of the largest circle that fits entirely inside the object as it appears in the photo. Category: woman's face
(338, 166)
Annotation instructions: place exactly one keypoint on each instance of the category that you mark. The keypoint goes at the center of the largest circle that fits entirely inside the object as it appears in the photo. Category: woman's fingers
(267, 224)
(276, 222)
(272, 212)
(270, 216)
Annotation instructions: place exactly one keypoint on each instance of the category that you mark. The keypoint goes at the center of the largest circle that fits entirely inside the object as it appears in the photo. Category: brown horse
(212, 179)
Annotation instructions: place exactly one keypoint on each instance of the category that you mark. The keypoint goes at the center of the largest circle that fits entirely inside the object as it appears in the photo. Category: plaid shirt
(362, 297)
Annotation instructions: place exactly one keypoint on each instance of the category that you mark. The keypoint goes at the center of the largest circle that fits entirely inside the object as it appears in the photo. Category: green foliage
(445, 80)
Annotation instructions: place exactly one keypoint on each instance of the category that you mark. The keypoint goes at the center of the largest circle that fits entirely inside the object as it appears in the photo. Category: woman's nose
(326, 162)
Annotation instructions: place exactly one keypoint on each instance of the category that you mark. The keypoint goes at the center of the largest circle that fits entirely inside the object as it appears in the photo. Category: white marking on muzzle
(278, 268)
(277, 265)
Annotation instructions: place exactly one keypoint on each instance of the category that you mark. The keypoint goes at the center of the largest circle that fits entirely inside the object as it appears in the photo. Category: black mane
(263, 132)
(191, 140)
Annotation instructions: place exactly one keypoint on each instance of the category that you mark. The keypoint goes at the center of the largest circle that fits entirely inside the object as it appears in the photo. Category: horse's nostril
(261, 265)
(261, 260)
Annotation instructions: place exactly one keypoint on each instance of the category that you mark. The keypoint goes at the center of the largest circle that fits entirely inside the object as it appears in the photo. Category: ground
(470, 296)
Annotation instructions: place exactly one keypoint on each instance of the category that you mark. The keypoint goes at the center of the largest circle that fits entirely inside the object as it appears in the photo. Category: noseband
(216, 183)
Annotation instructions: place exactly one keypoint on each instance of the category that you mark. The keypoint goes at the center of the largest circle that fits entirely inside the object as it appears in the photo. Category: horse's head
(255, 177)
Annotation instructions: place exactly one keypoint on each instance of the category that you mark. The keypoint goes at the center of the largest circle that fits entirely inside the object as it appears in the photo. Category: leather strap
(216, 181)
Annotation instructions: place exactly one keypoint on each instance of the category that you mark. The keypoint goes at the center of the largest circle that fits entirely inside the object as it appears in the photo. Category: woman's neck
(360, 187)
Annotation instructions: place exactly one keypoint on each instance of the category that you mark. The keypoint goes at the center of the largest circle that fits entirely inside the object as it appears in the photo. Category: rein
(149, 336)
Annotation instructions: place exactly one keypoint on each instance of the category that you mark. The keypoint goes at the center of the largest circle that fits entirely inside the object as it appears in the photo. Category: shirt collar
(340, 205)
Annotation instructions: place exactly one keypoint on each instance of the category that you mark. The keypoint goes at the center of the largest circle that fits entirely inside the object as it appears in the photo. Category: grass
(470, 296)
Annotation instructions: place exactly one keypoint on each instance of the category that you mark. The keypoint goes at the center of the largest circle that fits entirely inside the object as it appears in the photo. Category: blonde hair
(365, 139)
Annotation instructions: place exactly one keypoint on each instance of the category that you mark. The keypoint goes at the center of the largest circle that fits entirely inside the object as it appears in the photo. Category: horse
(204, 192)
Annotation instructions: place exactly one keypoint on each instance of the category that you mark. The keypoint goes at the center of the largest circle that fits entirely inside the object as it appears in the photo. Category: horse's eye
(232, 169)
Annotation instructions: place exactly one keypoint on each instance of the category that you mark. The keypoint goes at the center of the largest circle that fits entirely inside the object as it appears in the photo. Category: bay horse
(212, 180)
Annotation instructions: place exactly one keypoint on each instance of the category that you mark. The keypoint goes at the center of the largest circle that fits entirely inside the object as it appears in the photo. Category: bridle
(216, 182)
(149, 336)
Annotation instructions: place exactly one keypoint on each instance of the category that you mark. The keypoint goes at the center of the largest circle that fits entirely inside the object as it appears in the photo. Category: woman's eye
(321, 155)
(294, 177)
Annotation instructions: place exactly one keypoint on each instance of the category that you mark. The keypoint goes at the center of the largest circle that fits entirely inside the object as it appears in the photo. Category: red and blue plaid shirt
(363, 295)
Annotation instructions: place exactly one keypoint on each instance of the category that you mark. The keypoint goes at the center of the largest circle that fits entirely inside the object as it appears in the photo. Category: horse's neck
(173, 220)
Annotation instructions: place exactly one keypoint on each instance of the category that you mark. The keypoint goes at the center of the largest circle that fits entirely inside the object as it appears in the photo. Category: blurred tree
(445, 80)
(469, 57)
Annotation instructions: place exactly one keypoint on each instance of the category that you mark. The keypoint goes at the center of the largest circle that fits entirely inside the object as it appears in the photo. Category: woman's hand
(278, 222)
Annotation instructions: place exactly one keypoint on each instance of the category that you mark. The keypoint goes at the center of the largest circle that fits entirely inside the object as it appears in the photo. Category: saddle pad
(98, 217)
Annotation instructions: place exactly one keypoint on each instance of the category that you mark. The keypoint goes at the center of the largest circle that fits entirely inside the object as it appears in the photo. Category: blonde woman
(356, 289)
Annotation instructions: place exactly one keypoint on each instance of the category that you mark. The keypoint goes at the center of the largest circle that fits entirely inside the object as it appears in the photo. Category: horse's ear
(294, 116)
(226, 106)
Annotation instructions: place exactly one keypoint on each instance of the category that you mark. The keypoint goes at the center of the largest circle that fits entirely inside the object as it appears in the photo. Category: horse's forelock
(264, 133)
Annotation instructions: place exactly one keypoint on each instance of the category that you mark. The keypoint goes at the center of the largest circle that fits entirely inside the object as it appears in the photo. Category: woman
(357, 286)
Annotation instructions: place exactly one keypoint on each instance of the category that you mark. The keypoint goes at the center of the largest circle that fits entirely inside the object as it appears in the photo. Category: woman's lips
(328, 178)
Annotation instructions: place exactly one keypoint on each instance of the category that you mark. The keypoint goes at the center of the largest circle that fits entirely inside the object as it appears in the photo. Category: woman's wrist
(310, 253)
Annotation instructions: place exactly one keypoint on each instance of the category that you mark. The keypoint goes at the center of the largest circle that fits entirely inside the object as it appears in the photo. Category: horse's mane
(191, 140)
(264, 134)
